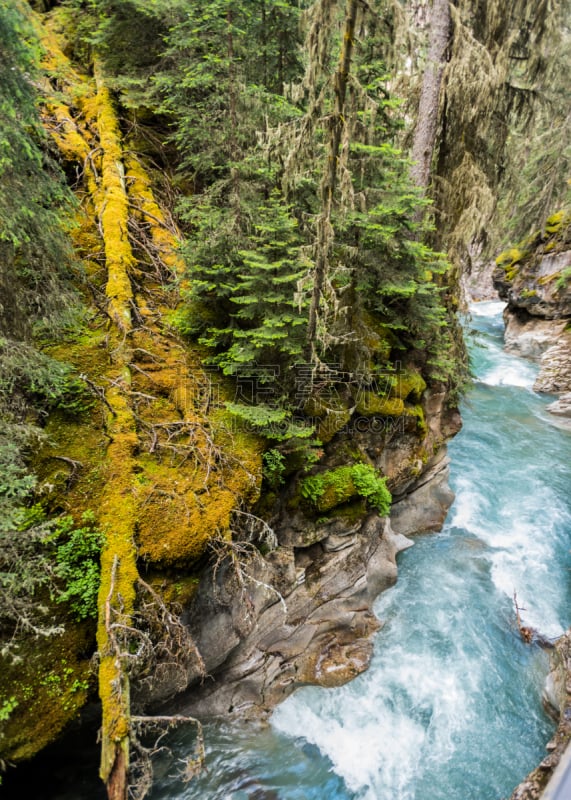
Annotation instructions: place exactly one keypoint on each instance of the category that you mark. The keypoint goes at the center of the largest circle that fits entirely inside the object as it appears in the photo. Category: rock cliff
(534, 279)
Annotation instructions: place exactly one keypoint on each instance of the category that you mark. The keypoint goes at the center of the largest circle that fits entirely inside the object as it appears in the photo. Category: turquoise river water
(450, 708)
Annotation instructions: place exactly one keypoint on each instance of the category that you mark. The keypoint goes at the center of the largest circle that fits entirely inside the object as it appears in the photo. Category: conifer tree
(263, 322)
(35, 298)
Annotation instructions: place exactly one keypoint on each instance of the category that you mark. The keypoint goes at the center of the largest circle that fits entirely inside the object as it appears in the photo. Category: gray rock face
(535, 286)
(561, 407)
(426, 508)
(317, 630)
(561, 410)
(478, 285)
(530, 337)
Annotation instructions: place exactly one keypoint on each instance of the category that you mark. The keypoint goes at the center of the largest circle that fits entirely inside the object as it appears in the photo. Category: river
(450, 708)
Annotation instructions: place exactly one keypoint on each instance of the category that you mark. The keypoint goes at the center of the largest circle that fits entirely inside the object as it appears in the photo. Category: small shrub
(312, 488)
(77, 564)
(273, 468)
(6, 708)
(372, 487)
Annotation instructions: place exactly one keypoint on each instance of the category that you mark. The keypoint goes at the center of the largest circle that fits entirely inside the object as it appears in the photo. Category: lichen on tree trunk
(428, 109)
(324, 229)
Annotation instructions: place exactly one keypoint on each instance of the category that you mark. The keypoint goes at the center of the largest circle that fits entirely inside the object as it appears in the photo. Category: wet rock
(303, 614)
(260, 645)
(561, 407)
(528, 336)
(425, 509)
(318, 632)
(557, 698)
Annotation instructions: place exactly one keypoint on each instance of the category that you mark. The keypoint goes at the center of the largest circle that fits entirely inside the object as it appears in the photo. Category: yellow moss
(509, 259)
(139, 187)
(557, 221)
(71, 142)
(185, 495)
(545, 279)
(114, 211)
(175, 527)
(54, 61)
(175, 493)
(118, 574)
(370, 404)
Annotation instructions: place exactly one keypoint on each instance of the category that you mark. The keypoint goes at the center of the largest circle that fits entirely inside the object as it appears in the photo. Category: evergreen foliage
(262, 232)
(34, 255)
(293, 248)
(258, 320)
(35, 299)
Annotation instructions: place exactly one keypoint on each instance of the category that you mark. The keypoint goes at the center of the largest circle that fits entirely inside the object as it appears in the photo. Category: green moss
(177, 590)
(351, 512)
(409, 385)
(417, 411)
(334, 421)
(50, 683)
(329, 489)
(376, 337)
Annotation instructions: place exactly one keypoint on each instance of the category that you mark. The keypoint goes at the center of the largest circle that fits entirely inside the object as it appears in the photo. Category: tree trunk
(329, 181)
(427, 122)
(118, 508)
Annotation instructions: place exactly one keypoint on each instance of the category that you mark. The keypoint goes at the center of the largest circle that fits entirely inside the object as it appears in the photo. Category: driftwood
(528, 634)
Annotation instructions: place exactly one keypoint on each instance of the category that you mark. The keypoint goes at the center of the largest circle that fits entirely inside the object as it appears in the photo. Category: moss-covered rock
(332, 488)
(409, 385)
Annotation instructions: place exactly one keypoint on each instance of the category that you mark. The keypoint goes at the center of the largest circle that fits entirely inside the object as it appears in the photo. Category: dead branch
(255, 529)
(98, 391)
(75, 467)
(155, 651)
(161, 222)
(528, 634)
